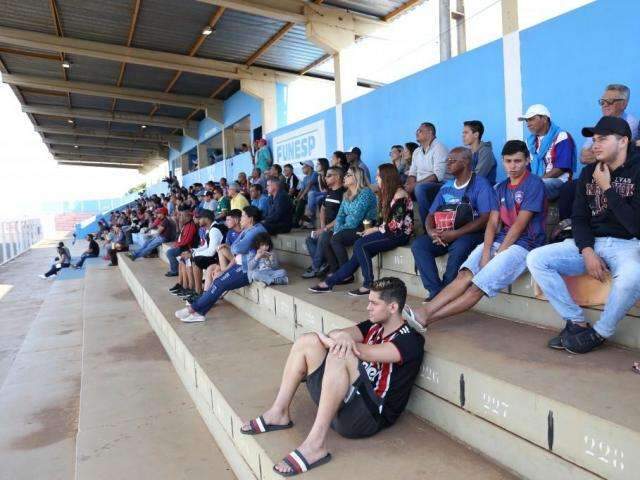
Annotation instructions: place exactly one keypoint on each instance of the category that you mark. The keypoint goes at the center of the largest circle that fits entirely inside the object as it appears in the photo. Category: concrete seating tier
(562, 410)
(231, 366)
(517, 303)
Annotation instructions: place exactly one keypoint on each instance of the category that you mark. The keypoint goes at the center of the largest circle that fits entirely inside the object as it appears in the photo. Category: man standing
(263, 156)
(455, 224)
(428, 168)
(166, 232)
(483, 160)
(553, 152)
(278, 220)
(360, 377)
(319, 239)
(606, 229)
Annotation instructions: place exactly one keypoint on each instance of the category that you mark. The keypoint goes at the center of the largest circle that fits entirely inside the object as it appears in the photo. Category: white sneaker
(42, 275)
(183, 313)
(193, 318)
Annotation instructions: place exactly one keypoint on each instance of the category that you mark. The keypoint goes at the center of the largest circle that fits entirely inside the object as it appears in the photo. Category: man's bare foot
(271, 417)
(311, 453)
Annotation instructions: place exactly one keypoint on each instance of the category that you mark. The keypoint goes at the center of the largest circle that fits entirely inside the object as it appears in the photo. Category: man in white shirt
(428, 168)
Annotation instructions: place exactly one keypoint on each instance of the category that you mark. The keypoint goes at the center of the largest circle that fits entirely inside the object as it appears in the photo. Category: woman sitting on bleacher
(358, 206)
(396, 212)
(235, 277)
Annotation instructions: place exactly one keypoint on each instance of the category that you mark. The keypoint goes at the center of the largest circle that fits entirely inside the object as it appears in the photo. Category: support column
(512, 70)
(461, 29)
(264, 90)
(184, 163)
(203, 158)
(444, 25)
(346, 76)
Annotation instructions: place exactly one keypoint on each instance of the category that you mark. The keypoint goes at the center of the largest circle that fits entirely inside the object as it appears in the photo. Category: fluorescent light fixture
(143, 126)
(207, 30)
(66, 64)
(69, 120)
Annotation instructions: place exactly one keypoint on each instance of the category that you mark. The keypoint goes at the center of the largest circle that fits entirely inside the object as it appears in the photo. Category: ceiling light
(143, 126)
(75, 146)
(207, 30)
(66, 64)
(69, 121)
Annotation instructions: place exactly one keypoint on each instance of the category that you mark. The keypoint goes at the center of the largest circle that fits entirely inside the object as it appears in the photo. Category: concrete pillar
(203, 158)
(461, 29)
(346, 77)
(265, 91)
(509, 16)
(184, 163)
(444, 26)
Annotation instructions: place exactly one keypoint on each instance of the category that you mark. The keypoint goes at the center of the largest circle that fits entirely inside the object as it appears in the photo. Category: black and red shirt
(392, 382)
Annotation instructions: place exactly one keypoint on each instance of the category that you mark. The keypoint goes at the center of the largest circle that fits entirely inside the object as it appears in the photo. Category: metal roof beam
(98, 158)
(101, 90)
(107, 116)
(73, 153)
(104, 133)
(74, 163)
(137, 56)
(97, 144)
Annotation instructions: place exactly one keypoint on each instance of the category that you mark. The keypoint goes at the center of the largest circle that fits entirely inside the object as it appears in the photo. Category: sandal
(258, 426)
(410, 317)
(299, 464)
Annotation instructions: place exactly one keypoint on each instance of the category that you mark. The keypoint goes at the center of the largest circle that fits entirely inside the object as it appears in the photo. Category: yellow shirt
(239, 202)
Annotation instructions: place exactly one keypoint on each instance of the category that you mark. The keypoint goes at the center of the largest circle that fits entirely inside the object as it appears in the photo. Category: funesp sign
(304, 143)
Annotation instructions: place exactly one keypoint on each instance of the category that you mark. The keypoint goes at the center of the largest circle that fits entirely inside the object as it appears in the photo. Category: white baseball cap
(536, 109)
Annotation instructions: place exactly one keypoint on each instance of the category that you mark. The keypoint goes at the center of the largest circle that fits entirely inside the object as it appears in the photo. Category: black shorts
(203, 262)
(358, 415)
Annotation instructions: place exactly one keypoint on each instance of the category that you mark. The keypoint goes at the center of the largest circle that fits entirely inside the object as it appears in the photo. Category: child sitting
(263, 264)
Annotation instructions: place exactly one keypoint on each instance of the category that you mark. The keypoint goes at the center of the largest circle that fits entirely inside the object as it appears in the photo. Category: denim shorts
(501, 271)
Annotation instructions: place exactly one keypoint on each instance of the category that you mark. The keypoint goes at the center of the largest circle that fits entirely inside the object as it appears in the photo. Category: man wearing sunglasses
(613, 103)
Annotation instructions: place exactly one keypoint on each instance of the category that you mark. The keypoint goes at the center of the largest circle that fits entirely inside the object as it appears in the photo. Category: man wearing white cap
(553, 151)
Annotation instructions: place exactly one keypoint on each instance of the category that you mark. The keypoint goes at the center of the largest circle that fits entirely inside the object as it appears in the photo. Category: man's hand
(587, 156)
(595, 265)
(316, 233)
(436, 238)
(602, 176)
(486, 257)
(369, 231)
(326, 341)
(343, 343)
(448, 236)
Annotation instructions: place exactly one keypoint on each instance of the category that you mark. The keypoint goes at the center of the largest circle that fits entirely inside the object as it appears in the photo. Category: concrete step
(517, 303)
(581, 410)
(134, 413)
(231, 366)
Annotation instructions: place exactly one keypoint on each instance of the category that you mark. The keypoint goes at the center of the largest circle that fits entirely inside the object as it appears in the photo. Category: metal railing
(17, 236)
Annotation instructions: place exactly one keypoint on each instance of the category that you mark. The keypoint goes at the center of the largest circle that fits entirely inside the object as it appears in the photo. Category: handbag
(452, 216)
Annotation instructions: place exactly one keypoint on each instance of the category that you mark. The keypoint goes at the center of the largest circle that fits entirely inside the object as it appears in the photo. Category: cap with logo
(536, 109)
(308, 163)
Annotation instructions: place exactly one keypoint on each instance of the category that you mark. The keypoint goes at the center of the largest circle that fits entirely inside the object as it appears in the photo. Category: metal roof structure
(120, 79)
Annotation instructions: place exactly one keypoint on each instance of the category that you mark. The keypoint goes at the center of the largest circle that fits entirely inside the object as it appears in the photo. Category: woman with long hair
(358, 204)
(395, 229)
(316, 197)
(339, 159)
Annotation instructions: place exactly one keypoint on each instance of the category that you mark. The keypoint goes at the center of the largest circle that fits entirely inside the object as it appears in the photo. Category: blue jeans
(314, 200)
(552, 187)
(148, 246)
(83, 257)
(172, 253)
(231, 280)
(503, 268)
(316, 247)
(622, 257)
(425, 253)
(55, 269)
(364, 250)
(425, 195)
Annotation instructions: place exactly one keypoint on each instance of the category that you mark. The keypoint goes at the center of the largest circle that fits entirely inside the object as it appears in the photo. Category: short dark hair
(217, 190)
(391, 289)
(262, 238)
(278, 168)
(257, 186)
(515, 146)
(257, 169)
(430, 126)
(476, 126)
(288, 165)
(411, 146)
(235, 213)
(253, 213)
(337, 170)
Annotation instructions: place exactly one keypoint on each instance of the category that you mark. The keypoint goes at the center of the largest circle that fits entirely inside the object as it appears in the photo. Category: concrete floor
(86, 389)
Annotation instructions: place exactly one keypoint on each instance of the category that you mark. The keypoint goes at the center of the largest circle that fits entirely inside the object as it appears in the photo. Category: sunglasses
(604, 101)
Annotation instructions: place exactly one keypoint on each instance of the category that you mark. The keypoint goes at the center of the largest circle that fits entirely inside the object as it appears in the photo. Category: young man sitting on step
(360, 377)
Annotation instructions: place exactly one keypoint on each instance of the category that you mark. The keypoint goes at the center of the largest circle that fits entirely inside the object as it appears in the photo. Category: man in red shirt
(188, 239)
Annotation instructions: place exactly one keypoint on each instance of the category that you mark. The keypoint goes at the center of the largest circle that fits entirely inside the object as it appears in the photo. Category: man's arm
(553, 173)
(475, 226)
(581, 215)
(381, 353)
(429, 179)
(322, 217)
(516, 229)
(486, 162)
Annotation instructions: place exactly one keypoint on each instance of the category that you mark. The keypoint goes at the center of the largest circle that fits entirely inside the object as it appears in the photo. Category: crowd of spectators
(220, 239)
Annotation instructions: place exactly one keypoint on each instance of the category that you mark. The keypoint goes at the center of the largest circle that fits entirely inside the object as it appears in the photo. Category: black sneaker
(319, 289)
(175, 288)
(357, 292)
(171, 274)
(584, 341)
(178, 292)
(569, 329)
(186, 293)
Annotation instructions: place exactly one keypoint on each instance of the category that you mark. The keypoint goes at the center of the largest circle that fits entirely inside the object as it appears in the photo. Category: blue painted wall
(281, 104)
(468, 87)
(568, 61)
